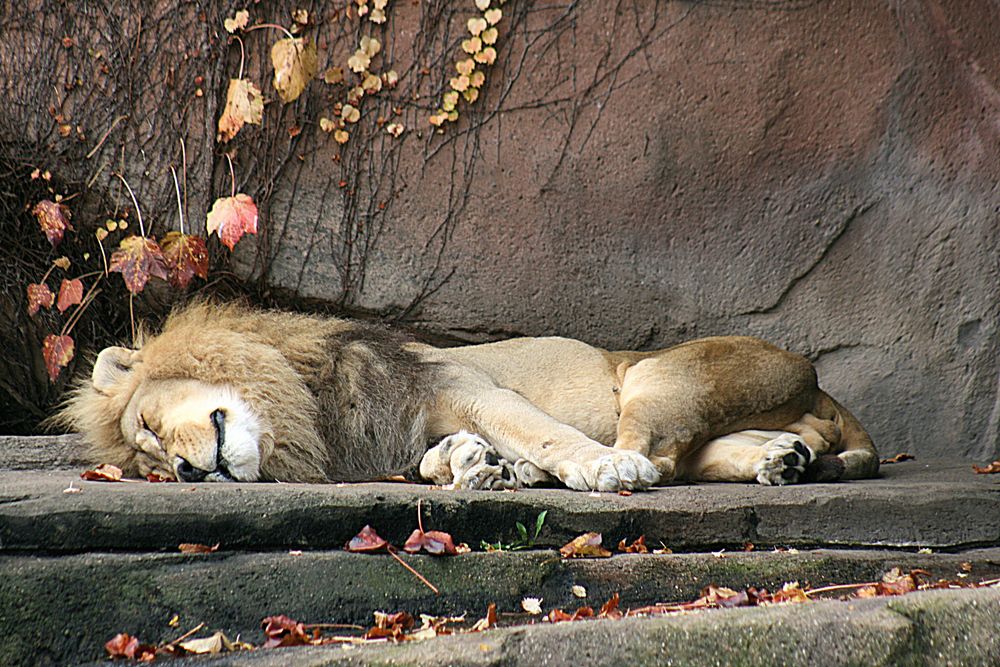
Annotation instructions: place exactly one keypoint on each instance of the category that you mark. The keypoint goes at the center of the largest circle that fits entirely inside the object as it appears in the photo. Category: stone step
(939, 505)
(61, 609)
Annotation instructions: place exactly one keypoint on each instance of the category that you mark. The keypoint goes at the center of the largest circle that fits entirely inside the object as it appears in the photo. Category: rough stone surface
(914, 504)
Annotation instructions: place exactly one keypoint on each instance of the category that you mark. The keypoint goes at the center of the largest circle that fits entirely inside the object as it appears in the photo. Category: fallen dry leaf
(989, 469)
(154, 477)
(186, 256)
(231, 218)
(578, 591)
(488, 621)
(244, 104)
(367, 541)
(532, 605)
(434, 542)
(898, 458)
(190, 548)
(57, 351)
(587, 545)
(39, 296)
(124, 645)
(284, 631)
(70, 294)
(137, 259)
(214, 644)
(238, 22)
(637, 547)
(610, 608)
(294, 63)
(53, 218)
(103, 473)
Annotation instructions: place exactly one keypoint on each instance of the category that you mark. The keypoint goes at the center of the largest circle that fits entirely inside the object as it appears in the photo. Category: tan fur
(339, 400)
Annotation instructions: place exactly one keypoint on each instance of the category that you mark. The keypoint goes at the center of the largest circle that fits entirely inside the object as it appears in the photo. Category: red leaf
(284, 631)
(39, 296)
(189, 548)
(70, 294)
(57, 352)
(587, 545)
(186, 256)
(367, 541)
(122, 645)
(559, 616)
(103, 473)
(231, 218)
(137, 259)
(53, 218)
(988, 470)
(434, 542)
(488, 621)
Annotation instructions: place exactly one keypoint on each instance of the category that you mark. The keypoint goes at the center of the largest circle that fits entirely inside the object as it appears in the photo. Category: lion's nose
(187, 472)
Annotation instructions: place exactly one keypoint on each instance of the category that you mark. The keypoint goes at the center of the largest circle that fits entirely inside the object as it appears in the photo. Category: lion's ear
(112, 366)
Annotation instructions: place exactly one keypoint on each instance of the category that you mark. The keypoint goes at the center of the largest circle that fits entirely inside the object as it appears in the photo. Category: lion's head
(219, 395)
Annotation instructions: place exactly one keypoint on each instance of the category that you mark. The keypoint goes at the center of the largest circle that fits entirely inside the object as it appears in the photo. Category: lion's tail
(858, 452)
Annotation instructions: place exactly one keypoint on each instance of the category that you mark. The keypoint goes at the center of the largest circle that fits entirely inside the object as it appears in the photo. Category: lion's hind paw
(784, 461)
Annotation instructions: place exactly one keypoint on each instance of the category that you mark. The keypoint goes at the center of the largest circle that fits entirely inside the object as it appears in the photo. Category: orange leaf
(103, 473)
(154, 477)
(231, 218)
(898, 458)
(610, 608)
(637, 547)
(367, 541)
(70, 293)
(188, 548)
(488, 621)
(53, 218)
(57, 352)
(988, 470)
(587, 545)
(186, 256)
(39, 296)
(137, 258)
(122, 645)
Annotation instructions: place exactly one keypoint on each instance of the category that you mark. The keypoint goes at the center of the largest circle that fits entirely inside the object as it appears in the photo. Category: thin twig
(177, 190)
(142, 227)
(269, 25)
(106, 135)
(838, 587)
(243, 55)
(184, 636)
(392, 552)
(184, 174)
(232, 176)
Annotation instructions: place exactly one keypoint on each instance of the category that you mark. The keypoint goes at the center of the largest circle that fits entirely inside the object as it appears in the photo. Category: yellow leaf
(334, 75)
(487, 56)
(341, 137)
(327, 125)
(450, 100)
(63, 263)
(372, 84)
(359, 61)
(380, 4)
(101, 233)
(350, 114)
(300, 16)
(438, 119)
(477, 79)
(370, 45)
(472, 45)
(395, 129)
(465, 66)
(489, 36)
(482, 5)
(390, 78)
(355, 94)
(493, 16)
(476, 25)
(460, 83)
(471, 95)
(452, 116)
(238, 22)
(378, 16)
(244, 104)
(294, 63)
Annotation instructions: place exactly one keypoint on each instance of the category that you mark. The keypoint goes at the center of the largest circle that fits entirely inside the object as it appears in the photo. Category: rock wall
(821, 174)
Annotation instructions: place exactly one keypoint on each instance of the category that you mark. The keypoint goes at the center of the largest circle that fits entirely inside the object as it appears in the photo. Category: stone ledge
(98, 595)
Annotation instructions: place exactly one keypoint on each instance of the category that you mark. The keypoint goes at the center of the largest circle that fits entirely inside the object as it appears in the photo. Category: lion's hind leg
(771, 458)
(466, 461)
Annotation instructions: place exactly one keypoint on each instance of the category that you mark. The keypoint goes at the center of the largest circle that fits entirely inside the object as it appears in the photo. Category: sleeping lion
(227, 393)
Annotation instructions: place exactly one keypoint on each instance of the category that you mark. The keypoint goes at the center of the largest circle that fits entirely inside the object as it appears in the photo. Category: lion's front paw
(466, 461)
(785, 460)
(616, 471)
